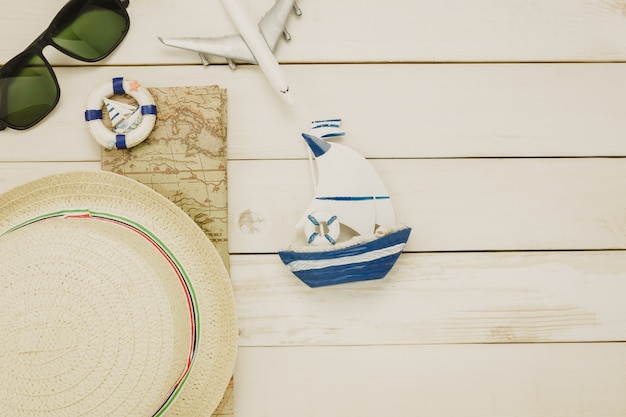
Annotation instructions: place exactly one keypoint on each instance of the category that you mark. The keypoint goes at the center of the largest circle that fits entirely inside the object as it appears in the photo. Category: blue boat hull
(362, 262)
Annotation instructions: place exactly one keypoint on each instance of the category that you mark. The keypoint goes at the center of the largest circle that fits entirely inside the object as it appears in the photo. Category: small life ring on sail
(131, 124)
(321, 228)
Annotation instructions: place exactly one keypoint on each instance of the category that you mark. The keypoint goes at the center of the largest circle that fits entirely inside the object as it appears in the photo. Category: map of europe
(184, 158)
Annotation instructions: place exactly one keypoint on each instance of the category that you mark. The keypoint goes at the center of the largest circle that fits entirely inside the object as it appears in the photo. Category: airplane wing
(272, 25)
(233, 47)
(230, 47)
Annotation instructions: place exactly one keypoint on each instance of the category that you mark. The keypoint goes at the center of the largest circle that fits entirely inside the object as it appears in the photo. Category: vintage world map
(185, 159)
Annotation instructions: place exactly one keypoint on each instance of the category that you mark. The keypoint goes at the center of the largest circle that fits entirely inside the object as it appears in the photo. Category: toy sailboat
(124, 117)
(350, 199)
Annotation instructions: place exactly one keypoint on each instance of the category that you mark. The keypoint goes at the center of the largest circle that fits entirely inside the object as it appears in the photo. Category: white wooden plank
(427, 298)
(14, 174)
(400, 346)
(452, 205)
(531, 380)
(438, 298)
(357, 31)
(389, 111)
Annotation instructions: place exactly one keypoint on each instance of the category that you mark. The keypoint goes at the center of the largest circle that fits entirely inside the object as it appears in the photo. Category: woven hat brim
(112, 196)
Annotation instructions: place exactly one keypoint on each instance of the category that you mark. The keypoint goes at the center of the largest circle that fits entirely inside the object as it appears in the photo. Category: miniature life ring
(131, 124)
(321, 228)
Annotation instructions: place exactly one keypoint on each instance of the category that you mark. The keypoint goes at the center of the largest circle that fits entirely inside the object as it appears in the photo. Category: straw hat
(113, 303)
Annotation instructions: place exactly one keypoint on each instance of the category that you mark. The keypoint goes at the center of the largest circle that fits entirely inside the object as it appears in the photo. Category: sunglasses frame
(45, 39)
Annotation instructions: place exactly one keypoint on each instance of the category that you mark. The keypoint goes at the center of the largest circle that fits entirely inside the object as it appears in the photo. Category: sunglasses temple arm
(2, 126)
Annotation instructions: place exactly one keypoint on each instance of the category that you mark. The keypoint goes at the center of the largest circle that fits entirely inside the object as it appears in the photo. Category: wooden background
(500, 130)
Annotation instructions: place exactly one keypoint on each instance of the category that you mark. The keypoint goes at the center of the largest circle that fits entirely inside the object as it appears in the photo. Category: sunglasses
(88, 30)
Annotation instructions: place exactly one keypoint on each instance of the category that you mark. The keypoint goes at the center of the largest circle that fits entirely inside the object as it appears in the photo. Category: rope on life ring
(321, 228)
(128, 131)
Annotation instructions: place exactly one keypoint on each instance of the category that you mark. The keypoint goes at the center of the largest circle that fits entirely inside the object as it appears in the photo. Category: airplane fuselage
(258, 46)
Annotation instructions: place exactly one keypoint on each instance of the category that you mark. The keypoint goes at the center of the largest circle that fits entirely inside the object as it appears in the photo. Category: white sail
(349, 187)
(124, 117)
(385, 214)
(118, 110)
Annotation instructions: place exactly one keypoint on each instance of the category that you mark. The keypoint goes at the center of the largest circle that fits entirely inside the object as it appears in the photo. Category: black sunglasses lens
(27, 93)
(90, 30)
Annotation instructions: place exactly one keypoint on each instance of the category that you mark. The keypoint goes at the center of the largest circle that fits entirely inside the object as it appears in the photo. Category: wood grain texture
(438, 298)
(389, 111)
(452, 204)
(498, 127)
(530, 380)
(14, 174)
(358, 31)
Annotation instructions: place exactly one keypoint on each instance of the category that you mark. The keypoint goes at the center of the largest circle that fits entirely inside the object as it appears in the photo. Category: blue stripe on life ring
(93, 115)
(118, 85)
(120, 141)
(149, 109)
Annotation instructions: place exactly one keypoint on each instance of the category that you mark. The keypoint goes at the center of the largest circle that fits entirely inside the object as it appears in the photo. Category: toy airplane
(252, 45)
